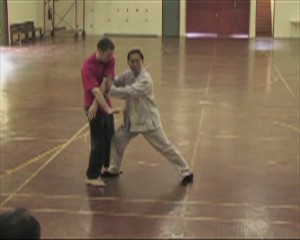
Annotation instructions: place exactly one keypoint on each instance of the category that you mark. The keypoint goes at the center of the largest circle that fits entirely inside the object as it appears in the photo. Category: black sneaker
(110, 175)
(187, 179)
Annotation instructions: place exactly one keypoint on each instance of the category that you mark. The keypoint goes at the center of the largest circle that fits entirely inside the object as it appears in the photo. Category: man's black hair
(19, 224)
(105, 44)
(133, 51)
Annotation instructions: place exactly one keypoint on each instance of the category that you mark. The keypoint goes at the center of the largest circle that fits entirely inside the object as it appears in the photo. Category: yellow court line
(286, 126)
(85, 139)
(34, 174)
(33, 160)
(29, 162)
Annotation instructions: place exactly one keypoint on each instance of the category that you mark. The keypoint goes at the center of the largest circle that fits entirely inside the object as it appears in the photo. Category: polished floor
(230, 106)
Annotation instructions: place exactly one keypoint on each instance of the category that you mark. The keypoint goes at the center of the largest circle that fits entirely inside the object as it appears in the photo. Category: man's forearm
(106, 85)
(104, 88)
(101, 100)
(117, 92)
(95, 102)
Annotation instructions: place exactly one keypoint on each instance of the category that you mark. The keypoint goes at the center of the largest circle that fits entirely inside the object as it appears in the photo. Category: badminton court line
(50, 159)
(33, 160)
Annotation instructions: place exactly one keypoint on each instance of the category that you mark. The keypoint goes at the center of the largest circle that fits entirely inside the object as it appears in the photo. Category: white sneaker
(104, 170)
(95, 182)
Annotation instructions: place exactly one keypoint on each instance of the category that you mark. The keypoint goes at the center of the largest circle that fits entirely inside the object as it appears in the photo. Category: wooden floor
(230, 106)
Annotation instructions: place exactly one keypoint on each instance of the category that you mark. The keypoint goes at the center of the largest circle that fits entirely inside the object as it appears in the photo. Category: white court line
(151, 216)
(32, 176)
(284, 81)
(210, 72)
(185, 200)
(145, 68)
(208, 81)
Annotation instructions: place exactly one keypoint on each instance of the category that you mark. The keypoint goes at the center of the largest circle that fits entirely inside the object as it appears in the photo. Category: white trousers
(157, 138)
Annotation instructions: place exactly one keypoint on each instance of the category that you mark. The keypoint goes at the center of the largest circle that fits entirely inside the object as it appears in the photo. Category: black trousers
(101, 132)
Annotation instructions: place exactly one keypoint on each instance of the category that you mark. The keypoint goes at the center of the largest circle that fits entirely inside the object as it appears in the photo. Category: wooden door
(201, 16)
(223, 17)
(226, 17)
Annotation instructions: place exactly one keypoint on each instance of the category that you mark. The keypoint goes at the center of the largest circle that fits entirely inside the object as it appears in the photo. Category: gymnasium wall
(64, 14)
(23, 10)
(285, 11)
(138, 17)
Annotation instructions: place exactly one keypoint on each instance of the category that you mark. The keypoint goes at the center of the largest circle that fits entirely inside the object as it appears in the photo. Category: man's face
(106, 56)
(135, 63)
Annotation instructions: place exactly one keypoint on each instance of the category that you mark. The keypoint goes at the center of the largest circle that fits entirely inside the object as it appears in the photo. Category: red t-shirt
(92, 74)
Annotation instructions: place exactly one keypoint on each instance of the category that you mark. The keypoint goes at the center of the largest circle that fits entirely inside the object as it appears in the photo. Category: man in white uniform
(141, 116)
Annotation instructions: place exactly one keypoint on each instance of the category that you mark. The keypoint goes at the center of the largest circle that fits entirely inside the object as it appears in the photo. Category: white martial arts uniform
(141, 116)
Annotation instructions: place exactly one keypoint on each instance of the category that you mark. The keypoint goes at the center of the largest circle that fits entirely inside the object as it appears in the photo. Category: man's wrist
(109, 111)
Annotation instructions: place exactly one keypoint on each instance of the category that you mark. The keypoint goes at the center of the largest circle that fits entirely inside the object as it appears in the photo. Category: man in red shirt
(97, 68)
